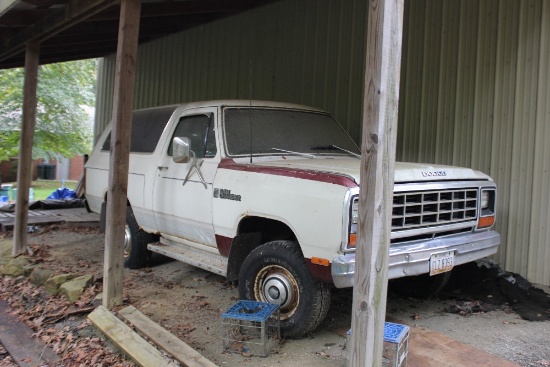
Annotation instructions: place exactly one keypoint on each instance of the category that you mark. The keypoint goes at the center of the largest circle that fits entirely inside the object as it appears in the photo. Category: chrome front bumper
(413, 258)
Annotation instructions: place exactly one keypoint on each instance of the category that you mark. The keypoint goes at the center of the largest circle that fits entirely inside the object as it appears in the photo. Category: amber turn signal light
(320, 261)
(485, 221)
(352, 241)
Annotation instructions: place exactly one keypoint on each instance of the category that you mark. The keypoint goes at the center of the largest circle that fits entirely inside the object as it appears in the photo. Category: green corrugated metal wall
(475, 92)
(475, 89)
(292, 51)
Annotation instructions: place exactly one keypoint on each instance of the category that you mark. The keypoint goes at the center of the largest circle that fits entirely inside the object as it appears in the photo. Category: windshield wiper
(335, 147)
(291, 152)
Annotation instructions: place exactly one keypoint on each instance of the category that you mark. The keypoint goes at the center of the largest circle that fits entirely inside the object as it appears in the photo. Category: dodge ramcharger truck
(266, 194)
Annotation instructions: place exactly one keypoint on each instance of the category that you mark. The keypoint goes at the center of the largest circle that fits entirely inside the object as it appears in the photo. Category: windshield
(253, 130)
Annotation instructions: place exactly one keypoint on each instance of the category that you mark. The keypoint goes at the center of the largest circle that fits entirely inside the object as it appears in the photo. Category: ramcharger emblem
(434, 174)
(226, 194)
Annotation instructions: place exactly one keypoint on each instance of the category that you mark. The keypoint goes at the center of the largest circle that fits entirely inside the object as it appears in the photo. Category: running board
(201, 259)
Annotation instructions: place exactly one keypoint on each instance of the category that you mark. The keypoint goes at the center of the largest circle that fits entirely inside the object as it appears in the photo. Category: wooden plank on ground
(429, 348)
(164, 339)
(17, 338)
(73, 216)
(143, 353)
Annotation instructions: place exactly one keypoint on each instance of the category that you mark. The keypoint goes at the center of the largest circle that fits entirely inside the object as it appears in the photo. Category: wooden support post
(24, 164)
(123, 100)
(381, 96)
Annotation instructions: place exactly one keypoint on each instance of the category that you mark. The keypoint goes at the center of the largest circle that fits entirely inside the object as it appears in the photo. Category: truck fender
(241, 246)
(103, 217)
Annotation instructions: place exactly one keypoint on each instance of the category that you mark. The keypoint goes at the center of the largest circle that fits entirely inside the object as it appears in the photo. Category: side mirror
(180, 150)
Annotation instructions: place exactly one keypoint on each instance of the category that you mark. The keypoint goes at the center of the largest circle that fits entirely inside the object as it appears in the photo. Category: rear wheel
(276, 272)
(136, 254)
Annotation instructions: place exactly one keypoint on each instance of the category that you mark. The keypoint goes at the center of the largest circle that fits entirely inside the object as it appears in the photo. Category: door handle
(160, 168)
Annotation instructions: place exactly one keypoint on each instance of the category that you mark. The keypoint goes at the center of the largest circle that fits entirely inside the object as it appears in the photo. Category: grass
(43, 188)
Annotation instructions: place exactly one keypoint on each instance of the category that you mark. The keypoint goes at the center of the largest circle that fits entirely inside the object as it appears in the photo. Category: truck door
(182, 194)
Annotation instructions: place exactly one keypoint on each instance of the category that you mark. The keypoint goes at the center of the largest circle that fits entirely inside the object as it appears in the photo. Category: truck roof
(239, 103)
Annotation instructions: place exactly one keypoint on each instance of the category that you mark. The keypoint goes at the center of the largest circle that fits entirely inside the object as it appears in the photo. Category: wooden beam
(123, 100)
(182, 352)
(381, 96)
(143, 353)
(6, 5)
(16, 337)
(73, 13)
(24, 165)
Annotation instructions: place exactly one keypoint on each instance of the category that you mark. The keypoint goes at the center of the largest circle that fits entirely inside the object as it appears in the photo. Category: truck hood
(404, 172)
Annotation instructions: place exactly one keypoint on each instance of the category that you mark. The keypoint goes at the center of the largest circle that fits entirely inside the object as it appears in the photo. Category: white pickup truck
(266, 194)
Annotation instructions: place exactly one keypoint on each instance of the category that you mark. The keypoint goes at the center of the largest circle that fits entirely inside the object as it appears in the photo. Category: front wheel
(276, 272)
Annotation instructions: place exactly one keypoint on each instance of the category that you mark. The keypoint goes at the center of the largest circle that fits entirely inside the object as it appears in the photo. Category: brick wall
(76, 167)
(8, 170)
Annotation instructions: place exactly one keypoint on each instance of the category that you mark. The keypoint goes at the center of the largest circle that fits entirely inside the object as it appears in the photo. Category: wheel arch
(252, 232)
(103, 213)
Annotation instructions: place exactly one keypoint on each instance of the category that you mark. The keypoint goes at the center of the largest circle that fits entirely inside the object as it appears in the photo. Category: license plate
(441, 263)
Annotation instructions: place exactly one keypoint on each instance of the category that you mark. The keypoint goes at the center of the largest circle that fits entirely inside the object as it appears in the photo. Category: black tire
(276, 272)
(136, 254)
(420, 286)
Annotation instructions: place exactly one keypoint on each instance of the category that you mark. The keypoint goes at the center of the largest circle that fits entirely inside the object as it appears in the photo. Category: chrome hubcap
(127, 241)
(275, 284)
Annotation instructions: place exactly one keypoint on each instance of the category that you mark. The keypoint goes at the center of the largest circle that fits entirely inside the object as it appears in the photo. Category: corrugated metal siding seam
(164, 84)
(345, 53)
(284, 47)
(319, 41)
(346, 48)
(355, 92)
(484, 85)
(100, 86)
(447, 82)
(411, 77)
(361, 11)
(428, 115)
(539, 250)
(329, 97)
(403, 82)
(524, 135)
(467, 44)
(104, 94)
(178, 78)
(306, 61)
(504, 107)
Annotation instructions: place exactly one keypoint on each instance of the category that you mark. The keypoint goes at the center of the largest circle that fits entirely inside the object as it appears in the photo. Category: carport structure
(37, 32)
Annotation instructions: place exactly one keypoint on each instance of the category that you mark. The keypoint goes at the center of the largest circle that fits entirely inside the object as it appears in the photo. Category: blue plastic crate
(394, 333)
(250, 311)
(251, 328)
(396, 345)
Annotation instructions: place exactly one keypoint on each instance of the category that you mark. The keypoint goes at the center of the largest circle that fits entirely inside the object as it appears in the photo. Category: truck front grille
(418, 209)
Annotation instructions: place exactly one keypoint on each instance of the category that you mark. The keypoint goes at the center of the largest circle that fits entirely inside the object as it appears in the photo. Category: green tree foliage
(62, 123)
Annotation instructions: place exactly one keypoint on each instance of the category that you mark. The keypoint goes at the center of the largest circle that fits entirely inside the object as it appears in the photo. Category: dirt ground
(189, 302)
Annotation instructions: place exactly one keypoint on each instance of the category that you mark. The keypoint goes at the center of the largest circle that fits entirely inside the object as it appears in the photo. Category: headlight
(355, 211)
(487, 205)
(484, 199)
(354, 218)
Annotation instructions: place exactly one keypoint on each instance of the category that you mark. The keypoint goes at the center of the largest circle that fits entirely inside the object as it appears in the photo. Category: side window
(200, 129)
(147, 127)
